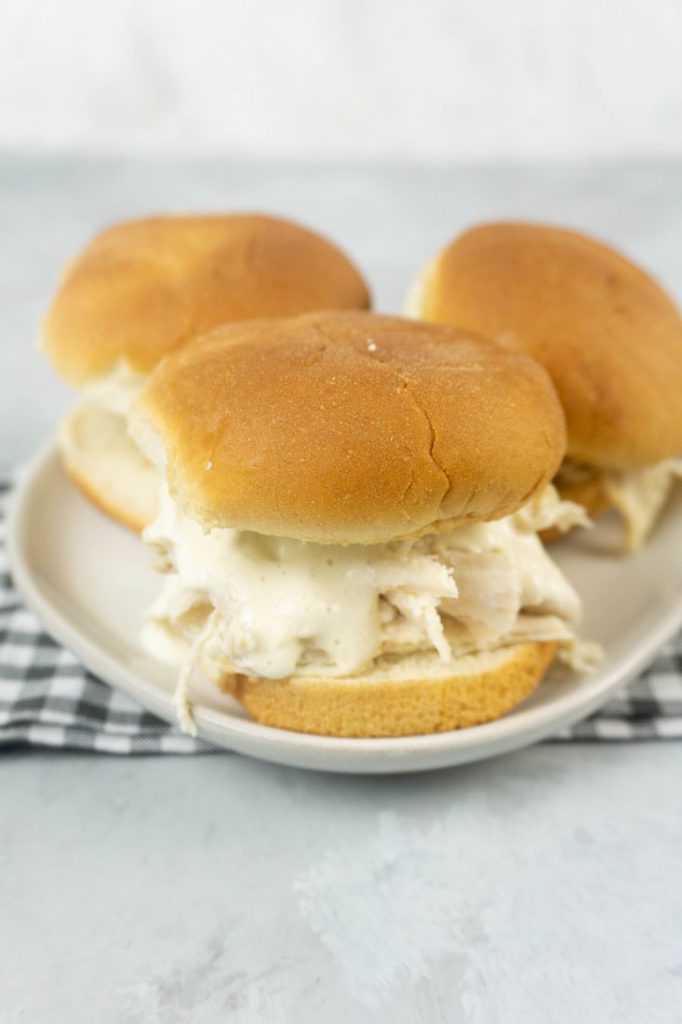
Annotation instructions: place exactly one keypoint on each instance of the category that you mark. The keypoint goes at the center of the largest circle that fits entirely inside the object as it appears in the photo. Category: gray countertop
(540, 887)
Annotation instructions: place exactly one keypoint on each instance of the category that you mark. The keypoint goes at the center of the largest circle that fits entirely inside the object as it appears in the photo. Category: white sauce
(286, 606)
(280, 598)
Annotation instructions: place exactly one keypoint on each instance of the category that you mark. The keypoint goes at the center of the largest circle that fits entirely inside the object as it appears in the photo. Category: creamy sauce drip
(286, 606)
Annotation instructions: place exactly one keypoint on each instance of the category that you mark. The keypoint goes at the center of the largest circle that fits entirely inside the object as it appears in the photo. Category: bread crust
(141, 288)
(608, 335)
(384, 703)
(102, 499)
(347, 428)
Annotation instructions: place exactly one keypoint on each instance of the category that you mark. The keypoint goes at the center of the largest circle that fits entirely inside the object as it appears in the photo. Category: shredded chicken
(422, 611)
(489, 598)
(273, 607)
(638, 495)
(547, 511)
(181, 701)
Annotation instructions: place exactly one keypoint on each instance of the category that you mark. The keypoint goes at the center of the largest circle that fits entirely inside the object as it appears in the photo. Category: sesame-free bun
(108, 467)
(348, 428)
(607, 334)
(142, 288)
(399, 696)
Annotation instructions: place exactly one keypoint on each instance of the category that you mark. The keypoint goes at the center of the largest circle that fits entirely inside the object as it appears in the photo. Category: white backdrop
(416, 81)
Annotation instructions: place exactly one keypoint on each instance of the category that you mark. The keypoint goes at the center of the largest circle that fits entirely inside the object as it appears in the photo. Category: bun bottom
(404, 696)
(108, 467)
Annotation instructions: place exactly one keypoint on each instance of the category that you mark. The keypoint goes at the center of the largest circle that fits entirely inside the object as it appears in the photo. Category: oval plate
(89, 581)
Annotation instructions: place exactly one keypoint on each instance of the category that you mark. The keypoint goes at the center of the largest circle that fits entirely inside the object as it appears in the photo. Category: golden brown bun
(400, 696)
(608, 335)
(347, 428)
(140, 289)
(108, 467)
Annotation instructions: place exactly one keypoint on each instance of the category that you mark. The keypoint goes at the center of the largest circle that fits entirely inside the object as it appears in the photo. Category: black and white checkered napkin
(48, 698)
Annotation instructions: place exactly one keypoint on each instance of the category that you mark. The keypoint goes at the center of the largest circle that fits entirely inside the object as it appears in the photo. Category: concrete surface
(542, 887)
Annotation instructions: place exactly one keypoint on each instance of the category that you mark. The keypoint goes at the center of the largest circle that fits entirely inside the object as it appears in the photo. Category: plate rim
(393, 754)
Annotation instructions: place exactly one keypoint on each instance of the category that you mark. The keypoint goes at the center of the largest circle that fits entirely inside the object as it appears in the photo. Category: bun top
(607, 334)
(347, 428)
(141, 289)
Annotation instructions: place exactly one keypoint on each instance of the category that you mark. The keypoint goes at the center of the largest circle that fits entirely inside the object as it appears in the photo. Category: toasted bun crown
(350, 428)
(608, 335)
(141, 289)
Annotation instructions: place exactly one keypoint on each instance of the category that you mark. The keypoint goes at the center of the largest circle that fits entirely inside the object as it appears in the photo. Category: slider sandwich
(607, 334)
(138, 292)
(348, 524)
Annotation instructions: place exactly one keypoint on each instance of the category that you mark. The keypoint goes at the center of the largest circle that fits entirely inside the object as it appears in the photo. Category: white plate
(89, 580)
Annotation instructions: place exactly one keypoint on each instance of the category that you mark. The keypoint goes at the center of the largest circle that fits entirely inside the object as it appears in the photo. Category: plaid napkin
(49, 699)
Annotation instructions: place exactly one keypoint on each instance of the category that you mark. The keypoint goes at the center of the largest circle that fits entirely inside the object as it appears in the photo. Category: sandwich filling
(96, 444)
(275, 607)
(115, 392)
(638, 495)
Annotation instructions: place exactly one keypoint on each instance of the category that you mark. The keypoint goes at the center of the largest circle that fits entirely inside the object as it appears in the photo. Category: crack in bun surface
(349, 428)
